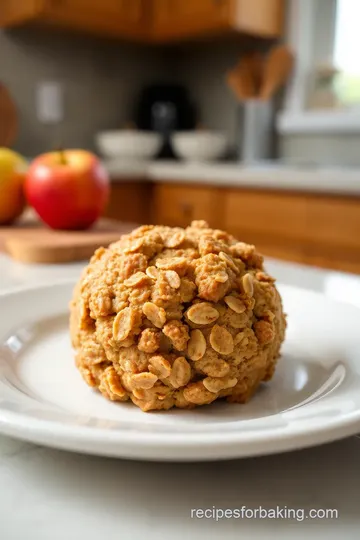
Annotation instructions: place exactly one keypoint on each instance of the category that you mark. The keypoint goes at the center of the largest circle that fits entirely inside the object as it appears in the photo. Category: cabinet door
(129, 201)
(177, 205)
(276, 222)
(176, 19)
(185, 18)
(334, 222)
(15, 12)
(264, 18)
(113, 17)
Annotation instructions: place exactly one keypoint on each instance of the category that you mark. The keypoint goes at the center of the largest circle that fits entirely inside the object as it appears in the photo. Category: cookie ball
(171, 317)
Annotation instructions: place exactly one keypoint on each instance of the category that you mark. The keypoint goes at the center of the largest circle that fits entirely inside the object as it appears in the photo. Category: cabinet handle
(187, 210)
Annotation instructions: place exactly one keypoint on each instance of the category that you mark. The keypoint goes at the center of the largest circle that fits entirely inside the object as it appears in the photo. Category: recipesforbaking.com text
(277, 512)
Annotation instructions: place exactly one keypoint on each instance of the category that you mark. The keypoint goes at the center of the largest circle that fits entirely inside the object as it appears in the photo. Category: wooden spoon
(257, 68)
(8, 118)
(278, 66)
(241, 80)
(239, 87)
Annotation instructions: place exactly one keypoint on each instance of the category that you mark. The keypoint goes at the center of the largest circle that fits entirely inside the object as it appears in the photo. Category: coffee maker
(165, 108)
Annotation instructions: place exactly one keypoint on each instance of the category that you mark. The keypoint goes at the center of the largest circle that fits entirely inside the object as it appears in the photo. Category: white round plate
(313, 398)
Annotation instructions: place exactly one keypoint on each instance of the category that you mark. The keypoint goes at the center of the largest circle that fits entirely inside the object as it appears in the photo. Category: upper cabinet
(181, 19)
(117, 18)
(122, 18)
(150, 20)
(174, 19)
(125, 18)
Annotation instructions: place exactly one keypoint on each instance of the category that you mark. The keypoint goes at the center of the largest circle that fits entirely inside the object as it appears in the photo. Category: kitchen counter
(52, 495)
(263, 176)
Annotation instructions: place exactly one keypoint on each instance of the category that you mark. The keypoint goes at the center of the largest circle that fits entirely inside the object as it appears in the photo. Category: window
(346, 51)
(324, 94)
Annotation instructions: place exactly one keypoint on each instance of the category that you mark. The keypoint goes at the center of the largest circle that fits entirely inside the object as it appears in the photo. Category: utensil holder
(256, 131)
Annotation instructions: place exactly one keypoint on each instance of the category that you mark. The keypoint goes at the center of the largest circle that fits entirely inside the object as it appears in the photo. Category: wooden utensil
(245, 78)
(257, 69)
(277, 69)
(8, 118)
(240, 91)
(30, 242)
(241, 81)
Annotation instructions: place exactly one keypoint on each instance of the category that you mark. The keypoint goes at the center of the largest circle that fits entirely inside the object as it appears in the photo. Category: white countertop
(265, 176)
(52, 495)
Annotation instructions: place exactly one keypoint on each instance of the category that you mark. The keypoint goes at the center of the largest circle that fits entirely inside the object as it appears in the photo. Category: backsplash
(100, 79)
(203, 67)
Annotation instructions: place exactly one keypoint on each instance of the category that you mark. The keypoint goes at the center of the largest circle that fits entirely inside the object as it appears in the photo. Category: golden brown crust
(171, 317)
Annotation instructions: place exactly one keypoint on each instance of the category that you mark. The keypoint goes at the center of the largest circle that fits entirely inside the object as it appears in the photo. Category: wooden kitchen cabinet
(334, 224)
(310, 228)
(316, 229)
(178, 205)
(112, 17)
(173, 19)
(181, 19)
(276, 222)
(279, 214)
(150, 20)
(117, 18)
(130, 201)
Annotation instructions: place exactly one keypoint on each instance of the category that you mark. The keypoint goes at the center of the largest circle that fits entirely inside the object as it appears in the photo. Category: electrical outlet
(49, 102)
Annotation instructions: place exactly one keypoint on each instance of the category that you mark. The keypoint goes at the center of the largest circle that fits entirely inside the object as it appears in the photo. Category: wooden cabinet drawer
(268, 214)
(303, 227)
(335, 220)
(177, 205)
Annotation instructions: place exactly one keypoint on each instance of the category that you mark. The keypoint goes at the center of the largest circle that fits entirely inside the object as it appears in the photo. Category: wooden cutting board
(31, 242)
(8, 118)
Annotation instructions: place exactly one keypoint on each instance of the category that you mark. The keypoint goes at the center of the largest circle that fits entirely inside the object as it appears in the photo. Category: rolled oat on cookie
(171, 317)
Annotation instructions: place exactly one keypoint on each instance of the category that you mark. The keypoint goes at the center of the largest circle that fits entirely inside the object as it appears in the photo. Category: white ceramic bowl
(199, 145)
(129, 144)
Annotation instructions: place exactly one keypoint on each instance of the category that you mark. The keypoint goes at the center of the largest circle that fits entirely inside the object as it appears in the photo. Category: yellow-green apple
(67, 188)
(12, 175)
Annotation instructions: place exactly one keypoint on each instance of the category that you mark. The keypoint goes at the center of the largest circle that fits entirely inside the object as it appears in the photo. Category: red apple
(68, 189)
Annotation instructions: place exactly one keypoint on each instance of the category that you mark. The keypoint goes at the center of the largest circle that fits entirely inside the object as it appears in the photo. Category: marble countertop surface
(55, 495)
(262, 176)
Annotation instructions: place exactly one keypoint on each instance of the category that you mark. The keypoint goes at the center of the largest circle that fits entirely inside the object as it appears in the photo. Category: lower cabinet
(178, 205)
(130, 201)
(274, 221)
(316, 229)
(321, 230)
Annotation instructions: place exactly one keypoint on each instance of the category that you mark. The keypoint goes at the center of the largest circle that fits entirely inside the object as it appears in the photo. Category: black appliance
(165, 108)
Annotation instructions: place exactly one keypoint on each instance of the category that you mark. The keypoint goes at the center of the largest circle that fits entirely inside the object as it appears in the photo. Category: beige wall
(100, 79)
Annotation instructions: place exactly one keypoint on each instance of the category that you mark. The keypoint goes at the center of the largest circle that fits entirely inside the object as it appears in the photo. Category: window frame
(295, 118)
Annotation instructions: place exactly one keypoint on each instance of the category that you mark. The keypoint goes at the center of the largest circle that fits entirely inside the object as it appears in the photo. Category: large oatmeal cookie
(169, 317)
